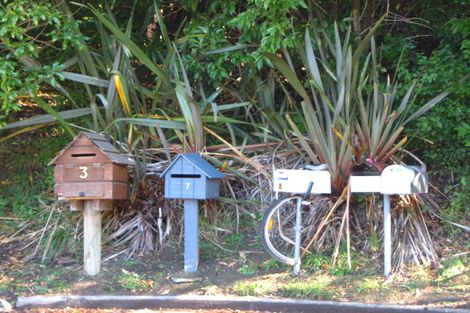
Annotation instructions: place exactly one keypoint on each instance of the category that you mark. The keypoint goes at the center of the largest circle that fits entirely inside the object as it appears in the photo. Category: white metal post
(298, 228)
(387, 236)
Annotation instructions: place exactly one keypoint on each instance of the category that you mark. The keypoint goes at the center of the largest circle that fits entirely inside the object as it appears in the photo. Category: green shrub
(245, 28)
(33, 38)
(442, 136)
(457, 210)
(25, 178)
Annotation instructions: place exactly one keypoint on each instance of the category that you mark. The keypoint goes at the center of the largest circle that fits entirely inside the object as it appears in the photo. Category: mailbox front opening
(83, 155)
(186, 175)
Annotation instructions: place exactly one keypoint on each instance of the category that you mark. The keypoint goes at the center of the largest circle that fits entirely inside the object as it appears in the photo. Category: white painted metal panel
(365, 183)
(296, 181)
(396, 179)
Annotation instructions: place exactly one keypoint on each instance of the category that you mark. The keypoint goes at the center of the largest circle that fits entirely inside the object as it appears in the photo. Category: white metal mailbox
(402, 180)
(296, 181)
(365, 182)
(394, 180)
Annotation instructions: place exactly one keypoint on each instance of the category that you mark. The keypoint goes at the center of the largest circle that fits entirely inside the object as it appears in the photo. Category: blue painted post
(191, 235)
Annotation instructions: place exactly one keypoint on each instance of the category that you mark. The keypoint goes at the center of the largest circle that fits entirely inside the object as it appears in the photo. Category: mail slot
(90, 168)
(185, 175)
(189, 176)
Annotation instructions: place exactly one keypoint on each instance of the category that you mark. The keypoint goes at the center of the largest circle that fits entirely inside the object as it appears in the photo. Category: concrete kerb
(212, 302)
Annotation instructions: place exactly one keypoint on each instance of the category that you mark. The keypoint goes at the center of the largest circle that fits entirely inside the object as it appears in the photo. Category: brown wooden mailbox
(90, 168)
(90, 173)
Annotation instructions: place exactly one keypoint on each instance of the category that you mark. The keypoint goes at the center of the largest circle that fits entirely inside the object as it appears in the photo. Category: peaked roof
(103, 144)
(195, 159)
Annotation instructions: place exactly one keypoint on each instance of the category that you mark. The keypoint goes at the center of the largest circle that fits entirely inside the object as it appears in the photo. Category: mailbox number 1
(84, 173)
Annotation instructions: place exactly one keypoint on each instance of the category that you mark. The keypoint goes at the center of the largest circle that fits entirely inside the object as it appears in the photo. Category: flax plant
(350, 117)
(327, 108)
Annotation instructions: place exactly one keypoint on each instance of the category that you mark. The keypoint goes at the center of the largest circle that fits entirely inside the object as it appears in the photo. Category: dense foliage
(34, 40)
(161, 77)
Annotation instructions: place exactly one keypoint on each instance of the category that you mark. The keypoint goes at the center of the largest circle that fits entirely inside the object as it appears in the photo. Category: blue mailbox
(191, 178)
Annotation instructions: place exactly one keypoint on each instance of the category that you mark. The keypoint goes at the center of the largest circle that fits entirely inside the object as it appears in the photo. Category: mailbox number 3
(84, 173)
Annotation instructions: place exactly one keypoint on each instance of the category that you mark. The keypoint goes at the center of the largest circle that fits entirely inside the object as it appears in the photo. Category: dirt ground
(244, 271)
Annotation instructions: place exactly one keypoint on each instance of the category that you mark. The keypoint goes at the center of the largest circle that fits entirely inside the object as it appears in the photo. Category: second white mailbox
(403, 180)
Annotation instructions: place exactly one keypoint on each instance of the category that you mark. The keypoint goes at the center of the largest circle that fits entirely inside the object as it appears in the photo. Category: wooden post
(92, 234)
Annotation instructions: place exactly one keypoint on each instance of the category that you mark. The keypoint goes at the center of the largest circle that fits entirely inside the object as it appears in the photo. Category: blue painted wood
(191, 235)
(196, 160)
(206, 186)
(212, 189)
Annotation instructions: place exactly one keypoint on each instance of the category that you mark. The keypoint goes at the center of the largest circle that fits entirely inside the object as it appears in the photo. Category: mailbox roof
(103, 144)
(201, 164)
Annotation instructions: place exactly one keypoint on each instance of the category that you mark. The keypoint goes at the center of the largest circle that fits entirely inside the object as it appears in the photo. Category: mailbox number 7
(84, 173)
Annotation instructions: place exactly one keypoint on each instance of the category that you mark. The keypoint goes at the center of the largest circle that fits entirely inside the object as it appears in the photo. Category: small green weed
(374, 240)
(234, 241)
(248, 269)
(272, 263)
(134, 282)
(129, 263)
(211, 290)
(342, 268)
(450, 268)
(314, 262)
(412, 285)
(253, 289)
(5, 283)
(369, 285)
(209, 251)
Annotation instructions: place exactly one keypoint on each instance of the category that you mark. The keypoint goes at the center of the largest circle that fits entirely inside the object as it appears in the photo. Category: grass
(416, 285)
(254, 288)
(372, 284)
(452, 267)
(316, 288)
(47, 282)
(248, 269)
(272, 264)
